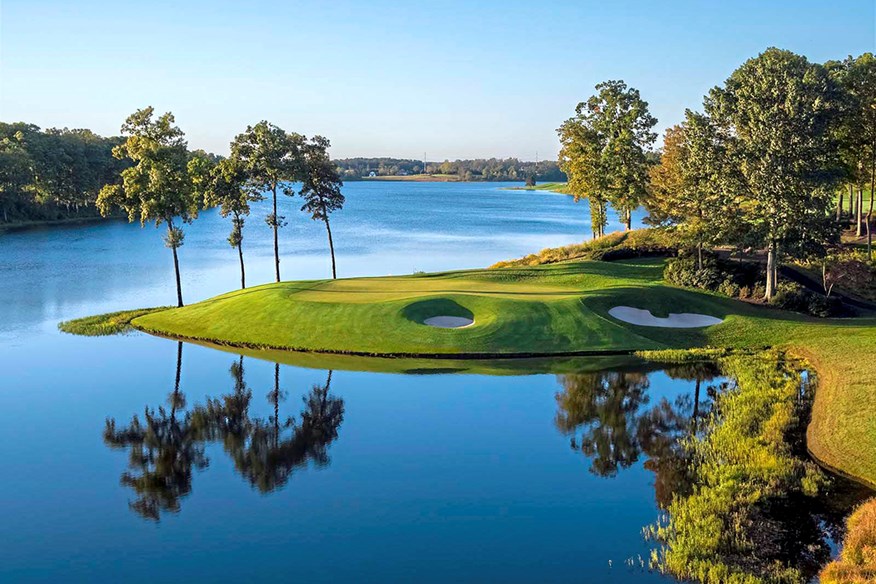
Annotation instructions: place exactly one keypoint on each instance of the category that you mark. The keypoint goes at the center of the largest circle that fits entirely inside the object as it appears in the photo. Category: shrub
(729, 288)
(790, 296)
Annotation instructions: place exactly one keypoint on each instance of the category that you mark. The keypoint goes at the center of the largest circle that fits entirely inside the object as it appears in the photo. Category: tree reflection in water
(169, 444)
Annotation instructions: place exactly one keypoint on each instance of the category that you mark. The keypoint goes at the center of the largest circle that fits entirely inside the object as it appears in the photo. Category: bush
(730, 288)
(790, 296)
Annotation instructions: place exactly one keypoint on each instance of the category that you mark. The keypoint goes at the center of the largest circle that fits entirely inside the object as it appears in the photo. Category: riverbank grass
(113, 323)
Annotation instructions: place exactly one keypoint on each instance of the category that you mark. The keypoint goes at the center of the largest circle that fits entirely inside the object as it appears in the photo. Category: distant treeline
(53, 174)
(479, 169)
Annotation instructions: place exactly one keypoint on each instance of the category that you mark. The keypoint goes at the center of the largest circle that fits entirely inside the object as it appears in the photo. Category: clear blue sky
(453, 79)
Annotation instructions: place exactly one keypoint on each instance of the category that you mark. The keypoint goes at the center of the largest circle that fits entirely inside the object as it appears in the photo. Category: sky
(378, 78)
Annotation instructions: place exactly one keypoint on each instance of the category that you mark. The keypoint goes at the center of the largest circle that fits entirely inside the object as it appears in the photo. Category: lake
(378, 477)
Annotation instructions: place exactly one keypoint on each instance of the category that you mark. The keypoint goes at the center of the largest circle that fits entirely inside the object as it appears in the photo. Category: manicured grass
(105, 324)
(551, 309)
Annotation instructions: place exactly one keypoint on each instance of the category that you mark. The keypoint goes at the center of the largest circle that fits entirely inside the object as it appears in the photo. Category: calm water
(381, 477)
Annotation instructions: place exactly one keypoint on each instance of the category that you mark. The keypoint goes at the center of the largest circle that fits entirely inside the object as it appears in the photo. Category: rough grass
(857, 563)
(636, 241)
(113, 323)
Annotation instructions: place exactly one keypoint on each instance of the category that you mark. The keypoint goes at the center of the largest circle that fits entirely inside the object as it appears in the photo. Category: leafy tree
(686, 190)
(271, 158)
(857, 133)
(581, 159)
(776, 113)
(157, 187)
(226, 188)
(321, 188)
(15, 172)
(605, 151)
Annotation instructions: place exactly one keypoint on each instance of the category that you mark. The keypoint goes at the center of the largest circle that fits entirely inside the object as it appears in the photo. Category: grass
(857, 563)
(113, 323)
(554, 187)
(555, 309)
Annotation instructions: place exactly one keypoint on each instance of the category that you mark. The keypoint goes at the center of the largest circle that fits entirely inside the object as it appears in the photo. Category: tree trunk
(179, 299)
(276, 236)
(839, 208)
(629, 219)
(851, 201)
(700, 255)
(696, 404)
(870, 210)
(859, 211)
(331, 247)
(772, 271)
(242, 271)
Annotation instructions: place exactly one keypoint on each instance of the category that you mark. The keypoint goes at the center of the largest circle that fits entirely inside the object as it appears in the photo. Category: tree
(321, 188)
(581, 159)
(857, 133)
(776, 113)
(604, 151)
(226, 188)
(271, 157)
(157, 187)
(686, 190)
(15, 171)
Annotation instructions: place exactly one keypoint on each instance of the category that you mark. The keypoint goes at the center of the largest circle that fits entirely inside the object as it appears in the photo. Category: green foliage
(113, 323)
(53, 174)
(745, 465)
(479, 169)
(614, 246)
(603, 151)
(776, 114)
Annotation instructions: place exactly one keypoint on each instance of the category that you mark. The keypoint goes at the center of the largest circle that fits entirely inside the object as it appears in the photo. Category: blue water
(429, 478)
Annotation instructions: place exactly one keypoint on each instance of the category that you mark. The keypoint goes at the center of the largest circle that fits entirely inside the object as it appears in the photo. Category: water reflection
(611, 420)
(169, 444)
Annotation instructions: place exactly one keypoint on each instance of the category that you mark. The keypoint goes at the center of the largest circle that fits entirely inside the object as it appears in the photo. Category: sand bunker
(645, 318)
(448, 321)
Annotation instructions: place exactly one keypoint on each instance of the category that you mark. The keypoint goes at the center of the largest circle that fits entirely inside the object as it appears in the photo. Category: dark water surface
(379, 478)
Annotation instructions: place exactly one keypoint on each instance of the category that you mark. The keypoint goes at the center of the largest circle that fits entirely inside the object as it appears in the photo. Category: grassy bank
(560, 308)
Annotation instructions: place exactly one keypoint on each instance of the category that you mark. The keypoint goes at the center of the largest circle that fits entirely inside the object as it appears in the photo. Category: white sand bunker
(645, 318)
(448, 321)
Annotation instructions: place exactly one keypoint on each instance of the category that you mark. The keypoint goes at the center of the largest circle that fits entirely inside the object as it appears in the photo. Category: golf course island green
(560, 309)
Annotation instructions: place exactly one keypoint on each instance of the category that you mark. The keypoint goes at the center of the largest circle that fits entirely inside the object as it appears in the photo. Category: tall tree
(581, 159)
(777, 112)
(226, 188)
(604, 151)
(857, 134)
(271, 158)
(157, 187)
(321, 187)
(687, 191)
